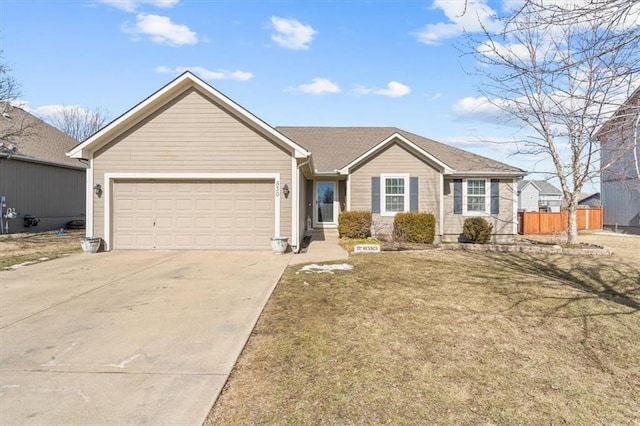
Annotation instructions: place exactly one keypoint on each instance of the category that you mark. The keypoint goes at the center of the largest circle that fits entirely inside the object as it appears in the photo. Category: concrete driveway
(127, 337)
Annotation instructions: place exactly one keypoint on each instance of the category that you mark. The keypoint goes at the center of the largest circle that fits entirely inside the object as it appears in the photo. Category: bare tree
(560, 72)
(12, 126)
(9, 87)
(78, 122)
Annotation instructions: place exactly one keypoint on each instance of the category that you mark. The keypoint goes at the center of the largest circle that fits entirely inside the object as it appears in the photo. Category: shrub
(414, 227)
(354, 224)
(477, 230)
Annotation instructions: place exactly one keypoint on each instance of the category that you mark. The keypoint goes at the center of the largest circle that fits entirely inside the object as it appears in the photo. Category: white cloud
(393, 90)
(480, 108)
(133, 5)
(291, 34)
(470, 15)
(161, 30)
(319, 86)
(206, 73)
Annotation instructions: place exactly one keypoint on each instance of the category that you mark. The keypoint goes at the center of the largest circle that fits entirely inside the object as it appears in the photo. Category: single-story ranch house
(188, 168)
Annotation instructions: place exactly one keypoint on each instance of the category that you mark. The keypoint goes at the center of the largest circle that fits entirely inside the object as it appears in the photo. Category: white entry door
(326, 203)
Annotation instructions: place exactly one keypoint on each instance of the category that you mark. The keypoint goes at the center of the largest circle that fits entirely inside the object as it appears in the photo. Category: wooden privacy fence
(551, 223)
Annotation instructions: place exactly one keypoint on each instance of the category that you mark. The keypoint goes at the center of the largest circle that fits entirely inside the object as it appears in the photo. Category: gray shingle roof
(543, 186)
(334, 147)
(34, 138)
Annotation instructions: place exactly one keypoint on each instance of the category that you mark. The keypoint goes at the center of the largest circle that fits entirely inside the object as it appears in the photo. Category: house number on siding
(277, 188)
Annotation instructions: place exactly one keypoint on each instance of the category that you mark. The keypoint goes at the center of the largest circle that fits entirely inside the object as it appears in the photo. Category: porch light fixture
(285, 190)
(97, 189)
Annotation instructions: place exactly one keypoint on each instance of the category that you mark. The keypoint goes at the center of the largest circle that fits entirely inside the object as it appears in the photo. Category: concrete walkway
(322, 248)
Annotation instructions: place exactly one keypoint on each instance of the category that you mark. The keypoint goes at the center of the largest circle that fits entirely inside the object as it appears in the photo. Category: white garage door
(230, 215)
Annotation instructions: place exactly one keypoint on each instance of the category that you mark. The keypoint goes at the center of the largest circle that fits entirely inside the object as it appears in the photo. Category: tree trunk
(572, 232)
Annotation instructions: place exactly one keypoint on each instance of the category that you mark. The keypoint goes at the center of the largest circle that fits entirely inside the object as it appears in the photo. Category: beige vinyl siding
(302, 211)
(191, 134)
(311, 201)
(502, 223)
(342, 196)
(54, 194)
(395, 159)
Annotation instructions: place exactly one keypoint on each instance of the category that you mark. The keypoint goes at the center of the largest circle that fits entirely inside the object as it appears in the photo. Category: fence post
(586, 219)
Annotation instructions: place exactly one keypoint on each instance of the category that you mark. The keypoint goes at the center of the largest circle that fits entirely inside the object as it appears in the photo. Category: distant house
(41, 188)
(589, 200)
(620, 166)
(188, 168)
(538, 195)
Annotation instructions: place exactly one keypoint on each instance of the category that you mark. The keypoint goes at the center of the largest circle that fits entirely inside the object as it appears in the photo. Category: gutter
(488, 173)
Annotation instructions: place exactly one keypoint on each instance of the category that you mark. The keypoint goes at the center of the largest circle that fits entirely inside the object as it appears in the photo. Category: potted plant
(279, 244)
(90, 244)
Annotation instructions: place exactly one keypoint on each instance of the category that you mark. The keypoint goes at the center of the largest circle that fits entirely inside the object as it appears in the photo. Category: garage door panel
(203, 204)
(184, 222)
(222, 224)
(204, 222)
(142, 221)
(193, 215)
(145, 188)
(263, 205)
(143, 241)
(223, 241)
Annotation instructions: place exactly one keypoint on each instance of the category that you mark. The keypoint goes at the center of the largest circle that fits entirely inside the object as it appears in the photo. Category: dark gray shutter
(413, 194)
(375, 194)
(495, 196)
(457, 196)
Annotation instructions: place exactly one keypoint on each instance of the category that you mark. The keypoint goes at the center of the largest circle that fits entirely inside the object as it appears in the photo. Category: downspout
(297, 206)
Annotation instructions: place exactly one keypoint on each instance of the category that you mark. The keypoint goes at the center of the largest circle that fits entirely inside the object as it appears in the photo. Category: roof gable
(542, 186)
(179, 85)
(625, 113)
(396, 138)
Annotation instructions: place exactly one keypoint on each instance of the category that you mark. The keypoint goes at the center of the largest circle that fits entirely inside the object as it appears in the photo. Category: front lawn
(441, 337)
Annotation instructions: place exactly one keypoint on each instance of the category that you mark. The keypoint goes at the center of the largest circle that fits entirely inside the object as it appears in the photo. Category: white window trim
(383, 194)
(487, 198)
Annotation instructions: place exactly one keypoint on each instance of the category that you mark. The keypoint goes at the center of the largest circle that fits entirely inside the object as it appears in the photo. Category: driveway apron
(127, 337)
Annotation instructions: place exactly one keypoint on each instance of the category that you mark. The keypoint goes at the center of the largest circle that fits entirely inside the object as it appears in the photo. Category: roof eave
(20, 157)
(485, 173)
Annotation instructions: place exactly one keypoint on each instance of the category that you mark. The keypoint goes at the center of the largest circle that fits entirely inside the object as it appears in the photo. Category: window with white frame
(394, 194)
(476, 193)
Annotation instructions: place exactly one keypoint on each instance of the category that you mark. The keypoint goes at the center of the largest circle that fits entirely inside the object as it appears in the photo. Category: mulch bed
(524, 246)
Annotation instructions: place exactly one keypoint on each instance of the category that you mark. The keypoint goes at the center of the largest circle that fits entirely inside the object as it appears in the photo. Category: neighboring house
(188, 168)
(589, 200)
(38, 181)
(620, 166)
(538, 195)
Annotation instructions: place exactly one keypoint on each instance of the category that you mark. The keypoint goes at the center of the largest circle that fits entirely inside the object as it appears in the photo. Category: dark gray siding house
(37, 179)
(620, 165)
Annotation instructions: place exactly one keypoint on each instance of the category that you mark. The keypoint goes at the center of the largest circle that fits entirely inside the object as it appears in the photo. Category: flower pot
(279, 244)
(90, 244)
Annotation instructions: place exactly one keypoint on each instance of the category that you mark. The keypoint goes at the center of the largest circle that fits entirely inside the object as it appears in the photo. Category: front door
(325, 195)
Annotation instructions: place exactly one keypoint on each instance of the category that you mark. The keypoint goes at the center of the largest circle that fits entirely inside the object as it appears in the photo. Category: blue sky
(322, 63)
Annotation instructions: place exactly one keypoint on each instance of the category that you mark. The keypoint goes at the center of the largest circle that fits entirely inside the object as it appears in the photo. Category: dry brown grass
(19, 248)
(446, 338)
